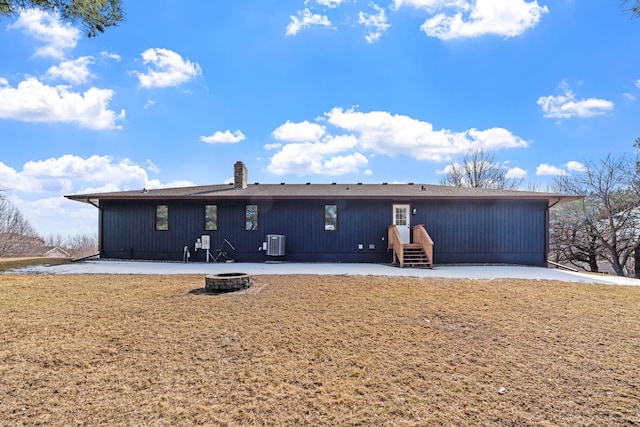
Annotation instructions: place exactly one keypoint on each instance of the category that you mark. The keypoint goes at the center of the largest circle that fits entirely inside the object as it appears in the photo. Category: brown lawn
(317, 350)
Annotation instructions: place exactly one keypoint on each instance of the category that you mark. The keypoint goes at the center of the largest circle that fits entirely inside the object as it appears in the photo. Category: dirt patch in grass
(317, 350)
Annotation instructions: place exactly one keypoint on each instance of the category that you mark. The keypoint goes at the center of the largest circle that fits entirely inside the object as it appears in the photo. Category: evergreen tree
(94, 15)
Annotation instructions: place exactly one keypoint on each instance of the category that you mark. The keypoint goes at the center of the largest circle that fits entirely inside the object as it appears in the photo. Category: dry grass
(317, 350)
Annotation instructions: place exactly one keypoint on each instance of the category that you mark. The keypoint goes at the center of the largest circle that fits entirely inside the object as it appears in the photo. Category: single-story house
(325, 223)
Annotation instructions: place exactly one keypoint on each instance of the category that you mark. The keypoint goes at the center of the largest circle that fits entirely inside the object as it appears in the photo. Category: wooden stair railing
(395, 242)
(417, 254)
(421, 237)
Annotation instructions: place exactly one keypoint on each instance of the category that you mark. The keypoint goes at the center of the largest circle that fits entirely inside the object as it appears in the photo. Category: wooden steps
(418, 254)
(414, 256)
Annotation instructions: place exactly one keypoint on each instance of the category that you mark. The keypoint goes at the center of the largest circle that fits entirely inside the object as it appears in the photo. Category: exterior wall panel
(486, 231)
(469, 231)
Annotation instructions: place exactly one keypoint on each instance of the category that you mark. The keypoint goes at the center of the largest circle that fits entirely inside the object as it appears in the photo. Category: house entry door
(402, 219)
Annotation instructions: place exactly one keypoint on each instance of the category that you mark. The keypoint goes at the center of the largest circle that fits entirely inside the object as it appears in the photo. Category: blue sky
(309, 91)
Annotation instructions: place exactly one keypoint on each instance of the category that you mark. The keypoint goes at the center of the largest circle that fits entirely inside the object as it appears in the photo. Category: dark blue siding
(486, 231)
(463, 231)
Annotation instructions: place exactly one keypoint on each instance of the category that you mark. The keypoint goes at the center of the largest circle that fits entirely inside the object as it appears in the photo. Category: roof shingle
(256, 191)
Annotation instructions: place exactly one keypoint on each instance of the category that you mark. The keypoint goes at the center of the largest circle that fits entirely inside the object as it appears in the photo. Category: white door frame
(402, 219)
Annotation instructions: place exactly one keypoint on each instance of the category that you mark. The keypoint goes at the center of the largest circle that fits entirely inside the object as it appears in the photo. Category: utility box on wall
(206, 242)
(275, 245)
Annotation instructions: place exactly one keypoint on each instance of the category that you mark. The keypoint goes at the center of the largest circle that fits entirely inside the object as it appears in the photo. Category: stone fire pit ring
(227, 282)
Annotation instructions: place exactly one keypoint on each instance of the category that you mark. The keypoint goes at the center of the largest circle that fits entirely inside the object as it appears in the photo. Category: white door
(402, 219)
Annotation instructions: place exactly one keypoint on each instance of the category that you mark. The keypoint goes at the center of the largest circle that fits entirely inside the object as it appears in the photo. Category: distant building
(57, 252)
(323, 222)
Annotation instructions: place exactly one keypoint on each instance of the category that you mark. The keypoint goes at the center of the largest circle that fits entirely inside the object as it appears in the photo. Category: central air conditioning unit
(275, 245)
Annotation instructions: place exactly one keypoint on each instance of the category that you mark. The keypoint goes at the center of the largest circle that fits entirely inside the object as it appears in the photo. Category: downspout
(97, 205)
(546, 233)
(552, 205)
(547, 238)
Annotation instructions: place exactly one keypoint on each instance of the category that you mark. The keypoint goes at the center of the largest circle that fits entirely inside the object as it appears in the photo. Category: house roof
(399, 192)
(57, 250)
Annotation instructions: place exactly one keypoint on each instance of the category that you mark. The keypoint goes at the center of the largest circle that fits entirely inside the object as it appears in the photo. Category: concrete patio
(445, 271)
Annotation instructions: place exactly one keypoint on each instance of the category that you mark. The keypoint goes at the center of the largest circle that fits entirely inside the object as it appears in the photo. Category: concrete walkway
(446, 271)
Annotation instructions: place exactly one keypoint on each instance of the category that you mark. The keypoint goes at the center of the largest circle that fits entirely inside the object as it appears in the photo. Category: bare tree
(54, 240)
(17, 236)
(479, 169)
(609, 215)
(573, 239)
(81, 245)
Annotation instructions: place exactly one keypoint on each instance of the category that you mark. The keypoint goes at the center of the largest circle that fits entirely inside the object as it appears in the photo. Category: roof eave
(551, 198)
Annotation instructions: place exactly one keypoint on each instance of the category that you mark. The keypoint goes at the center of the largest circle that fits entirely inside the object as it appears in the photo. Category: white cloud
(331, 4)
(154, 183)
(63, 172)
(11, 179)
(629, 96)
(272, 146)
(150, 103)
(377, 23)
(152, 166)
(382, 132)
(306, 19)
(566, 106)
(33, 101)
(516, 173)
(309, 148)
(37, 189)
(71, 173)
(340, 165)
(58, 38)
(225, 137)
(468, 18)
(638, 84)
(320, 158)
(299, 132)
(53, 216)
(110, 55)
(4, 82)
(448, 168)
(167, 69)
(576, 166)
(431, 5)
(548, 170)
(75, 71)
(495, 139)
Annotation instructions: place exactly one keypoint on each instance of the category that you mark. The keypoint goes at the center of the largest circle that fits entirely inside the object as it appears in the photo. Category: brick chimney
(239, 175)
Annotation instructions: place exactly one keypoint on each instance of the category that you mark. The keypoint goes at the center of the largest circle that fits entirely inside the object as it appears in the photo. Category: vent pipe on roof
(239, 175)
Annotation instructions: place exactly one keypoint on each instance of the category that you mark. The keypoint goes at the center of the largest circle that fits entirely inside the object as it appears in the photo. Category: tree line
(18, 238)
(602, 230)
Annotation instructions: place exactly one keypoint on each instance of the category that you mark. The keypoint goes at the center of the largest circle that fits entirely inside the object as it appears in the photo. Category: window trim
(215, 223)
(159, 226)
